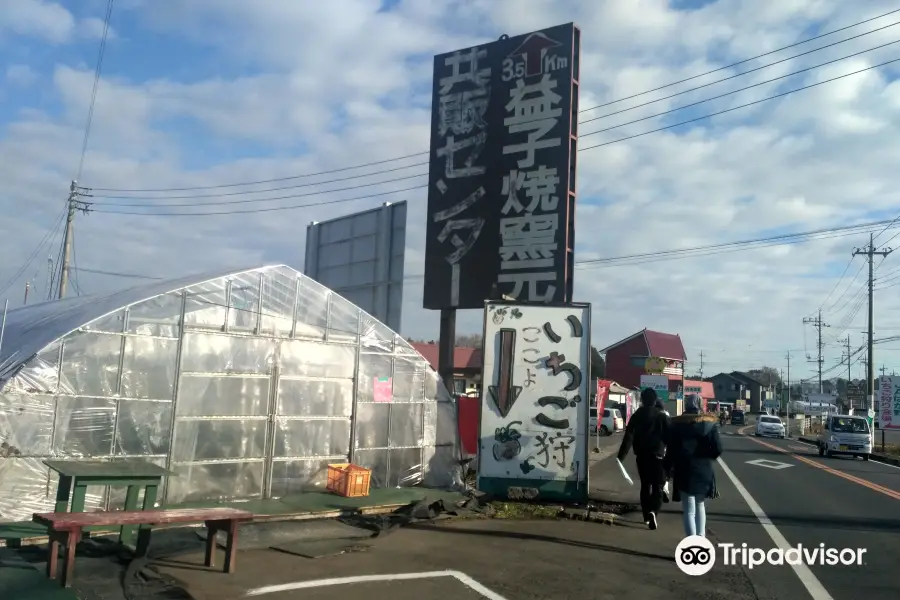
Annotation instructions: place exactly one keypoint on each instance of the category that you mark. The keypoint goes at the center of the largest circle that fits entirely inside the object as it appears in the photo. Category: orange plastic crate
(348, 480)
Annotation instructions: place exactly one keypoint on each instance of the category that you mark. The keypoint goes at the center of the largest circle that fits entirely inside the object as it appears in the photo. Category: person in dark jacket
(667, 476)
(692, 446)
(646, 433)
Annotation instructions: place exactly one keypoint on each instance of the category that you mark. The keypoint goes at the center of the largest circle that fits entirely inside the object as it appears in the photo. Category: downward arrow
(505, 393)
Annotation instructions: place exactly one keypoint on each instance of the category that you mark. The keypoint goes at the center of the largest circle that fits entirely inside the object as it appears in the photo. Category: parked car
(737, 417)
(611, 422)
(845, 434)
(769, 425)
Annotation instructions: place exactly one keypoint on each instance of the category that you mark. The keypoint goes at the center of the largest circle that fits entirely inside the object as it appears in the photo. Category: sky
(220, 92)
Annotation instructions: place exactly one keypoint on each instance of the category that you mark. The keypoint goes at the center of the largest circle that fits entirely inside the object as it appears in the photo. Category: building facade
(626, 358)
(730, 388)
(467, 366)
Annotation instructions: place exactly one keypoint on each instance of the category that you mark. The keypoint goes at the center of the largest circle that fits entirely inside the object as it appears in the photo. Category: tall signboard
(360, 256)
(888, 414)
(534, 421)
(501, 196)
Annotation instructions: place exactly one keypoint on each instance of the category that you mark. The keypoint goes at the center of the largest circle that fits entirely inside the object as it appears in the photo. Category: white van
(845, 434)
(612, 421)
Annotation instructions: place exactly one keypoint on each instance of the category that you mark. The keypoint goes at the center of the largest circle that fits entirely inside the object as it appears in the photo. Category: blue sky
(207, 93)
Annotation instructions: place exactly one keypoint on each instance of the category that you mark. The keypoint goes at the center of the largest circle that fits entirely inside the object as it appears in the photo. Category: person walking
(692, 446)
(667, 475)
(645, 434)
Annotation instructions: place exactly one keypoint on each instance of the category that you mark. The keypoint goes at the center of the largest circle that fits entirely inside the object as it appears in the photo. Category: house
(626, 358)
(731, 387)
(704, 389)
(467, 366)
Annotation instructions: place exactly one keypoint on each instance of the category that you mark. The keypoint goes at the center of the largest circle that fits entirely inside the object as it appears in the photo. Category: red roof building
(626, 358)
(467, 365)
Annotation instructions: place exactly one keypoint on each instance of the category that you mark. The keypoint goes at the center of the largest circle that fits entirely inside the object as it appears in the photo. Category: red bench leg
(211, 530)
(53, 555)
(69, 569)
(231, 547)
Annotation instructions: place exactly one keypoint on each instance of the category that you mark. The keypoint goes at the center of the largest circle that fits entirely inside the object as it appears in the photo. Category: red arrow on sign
(533, 50)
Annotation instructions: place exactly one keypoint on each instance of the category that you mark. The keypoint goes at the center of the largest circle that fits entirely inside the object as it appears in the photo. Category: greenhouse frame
(244, 384)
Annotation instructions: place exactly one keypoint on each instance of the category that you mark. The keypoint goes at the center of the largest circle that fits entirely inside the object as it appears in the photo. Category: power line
(407, 177)
(712, 249)
(416, 154)
(734, 108)
(48, 236)
(99, 68)
(847, 268)
(672, 126)
(115, 274)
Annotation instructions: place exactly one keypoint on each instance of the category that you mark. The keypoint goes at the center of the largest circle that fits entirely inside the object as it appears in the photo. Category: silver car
(847, 435)
(769, 425)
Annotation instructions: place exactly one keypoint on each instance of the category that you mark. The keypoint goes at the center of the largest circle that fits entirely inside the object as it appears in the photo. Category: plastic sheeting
(271, 377)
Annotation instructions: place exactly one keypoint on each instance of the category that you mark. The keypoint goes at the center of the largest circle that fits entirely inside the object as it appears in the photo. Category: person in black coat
(646, 433)
(692, 446)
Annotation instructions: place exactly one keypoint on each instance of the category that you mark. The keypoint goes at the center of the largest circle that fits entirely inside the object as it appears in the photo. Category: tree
(598, 365)
(766, 375)
(472, 340)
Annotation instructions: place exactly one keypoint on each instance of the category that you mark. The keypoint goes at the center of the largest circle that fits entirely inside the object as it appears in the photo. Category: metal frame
(278, 337)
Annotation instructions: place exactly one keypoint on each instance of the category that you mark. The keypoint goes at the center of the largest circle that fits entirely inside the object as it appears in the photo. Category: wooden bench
(64, 528)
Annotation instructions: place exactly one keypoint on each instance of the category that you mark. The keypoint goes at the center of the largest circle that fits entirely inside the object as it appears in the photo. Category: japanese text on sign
(463, 100)
(528, 228)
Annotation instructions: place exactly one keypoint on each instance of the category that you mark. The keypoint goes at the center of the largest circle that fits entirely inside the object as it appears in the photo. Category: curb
(885, 458)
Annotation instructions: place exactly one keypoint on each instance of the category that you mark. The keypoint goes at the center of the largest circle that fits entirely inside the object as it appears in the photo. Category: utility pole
(847, 346)
(788, 407)
(701, 364)
(883, 370)
(74, 204)
(27, 288)
(870, 252)
(818, 324)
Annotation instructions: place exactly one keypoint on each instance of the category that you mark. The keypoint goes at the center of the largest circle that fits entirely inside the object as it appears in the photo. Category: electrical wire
(97, 71)
(416, 154)
(115, 274)
(671, 126)
(713, 249)
(847, 268)
(47, 237)
(407, 177)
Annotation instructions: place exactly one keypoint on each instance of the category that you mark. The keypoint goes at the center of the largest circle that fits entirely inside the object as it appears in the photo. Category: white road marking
(806, 577)
(769, 464)
(302, 585)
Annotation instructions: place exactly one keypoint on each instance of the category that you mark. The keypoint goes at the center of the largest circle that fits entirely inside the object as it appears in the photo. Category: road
(837, 502)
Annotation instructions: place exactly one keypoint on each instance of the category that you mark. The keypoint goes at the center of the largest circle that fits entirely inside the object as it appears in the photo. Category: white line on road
(870, 459)
(809, 581)
(301, 585)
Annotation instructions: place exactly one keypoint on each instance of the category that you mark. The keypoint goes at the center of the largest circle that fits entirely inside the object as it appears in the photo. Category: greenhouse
(244, 384)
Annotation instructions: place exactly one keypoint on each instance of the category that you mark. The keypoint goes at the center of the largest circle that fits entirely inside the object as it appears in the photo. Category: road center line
(804, 574)
(867, 484)
(459, 576)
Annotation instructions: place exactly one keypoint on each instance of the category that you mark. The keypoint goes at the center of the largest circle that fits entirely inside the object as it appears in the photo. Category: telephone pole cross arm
(870, 253)
(818, 324)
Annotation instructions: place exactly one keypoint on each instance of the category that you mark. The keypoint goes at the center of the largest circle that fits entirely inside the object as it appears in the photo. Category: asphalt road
(838, 502)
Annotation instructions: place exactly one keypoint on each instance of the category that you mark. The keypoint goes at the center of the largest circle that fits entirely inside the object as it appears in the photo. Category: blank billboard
(360, 256)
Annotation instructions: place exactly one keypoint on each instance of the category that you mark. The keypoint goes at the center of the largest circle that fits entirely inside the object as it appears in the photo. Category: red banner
(602, 399)
(468, 408)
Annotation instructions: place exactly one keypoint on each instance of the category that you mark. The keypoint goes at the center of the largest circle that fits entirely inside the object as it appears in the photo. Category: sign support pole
(446, 347)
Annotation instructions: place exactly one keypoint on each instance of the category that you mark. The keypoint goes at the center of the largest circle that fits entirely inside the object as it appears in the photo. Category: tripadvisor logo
(696, 555)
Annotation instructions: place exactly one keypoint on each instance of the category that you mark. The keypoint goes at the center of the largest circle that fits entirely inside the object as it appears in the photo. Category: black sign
(501, 198)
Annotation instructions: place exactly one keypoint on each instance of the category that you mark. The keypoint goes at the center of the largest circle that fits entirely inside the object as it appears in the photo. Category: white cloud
(48, 21)
(323, 86)
(20, 76)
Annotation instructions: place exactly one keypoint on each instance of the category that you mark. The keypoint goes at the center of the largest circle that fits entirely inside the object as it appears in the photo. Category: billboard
(360, 256)
(888, 411)
(533, 427)
(501, 196)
